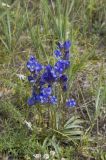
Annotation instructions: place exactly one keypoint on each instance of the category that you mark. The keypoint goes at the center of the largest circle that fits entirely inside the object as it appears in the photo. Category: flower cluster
(43, 78)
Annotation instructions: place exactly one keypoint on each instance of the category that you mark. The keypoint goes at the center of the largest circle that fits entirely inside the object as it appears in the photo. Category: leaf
(70, 120)
(73, 133)
(73, 121)
(73, 127)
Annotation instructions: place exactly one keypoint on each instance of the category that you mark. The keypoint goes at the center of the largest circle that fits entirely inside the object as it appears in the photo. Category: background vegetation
(34, 26)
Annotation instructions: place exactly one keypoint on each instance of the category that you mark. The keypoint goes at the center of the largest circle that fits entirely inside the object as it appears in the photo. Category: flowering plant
(44, 78)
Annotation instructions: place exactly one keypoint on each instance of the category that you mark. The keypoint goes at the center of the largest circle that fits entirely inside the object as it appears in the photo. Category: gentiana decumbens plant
(49, 85)
(43, 78)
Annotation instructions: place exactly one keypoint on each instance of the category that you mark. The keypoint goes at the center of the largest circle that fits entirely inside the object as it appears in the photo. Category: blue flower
(57, 53)
(66, 64)
(64, 87)
(49, 76)
(38, 67)
(63, 81)
(48, 67)
(46, 91)
(31, 101)
(60, 45)
(53, 100)
(41, 81)
(66, 55)
(70, 103)
(63, 78)
(61, 65)
(32, 79)
(32, 58)
(67, 45)
(43, 98)
(33, 65)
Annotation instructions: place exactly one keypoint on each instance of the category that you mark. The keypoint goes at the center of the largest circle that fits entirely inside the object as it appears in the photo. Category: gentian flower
(31, 101)
(53, 100)
(49, 76)
(66, 55)
(63, 78)
(60, 45)
(38, 67)
(57, 53)
(32, 79)
(46, 91)
(63, 81)
(41, 82)
(33, 65)
(64, 87)
(70, 103)
(61, 65)
(67, 45)
(43, 98)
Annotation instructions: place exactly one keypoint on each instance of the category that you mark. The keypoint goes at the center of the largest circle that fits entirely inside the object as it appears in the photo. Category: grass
(35, 27)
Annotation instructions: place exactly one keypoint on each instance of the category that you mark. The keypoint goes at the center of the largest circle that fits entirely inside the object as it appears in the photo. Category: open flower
(70, 103)
(49, 76)
(46, 91)
(61, 66)
(66, 45)
(33, 65)
(43, 99)
(53, 100)
(57, 53)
